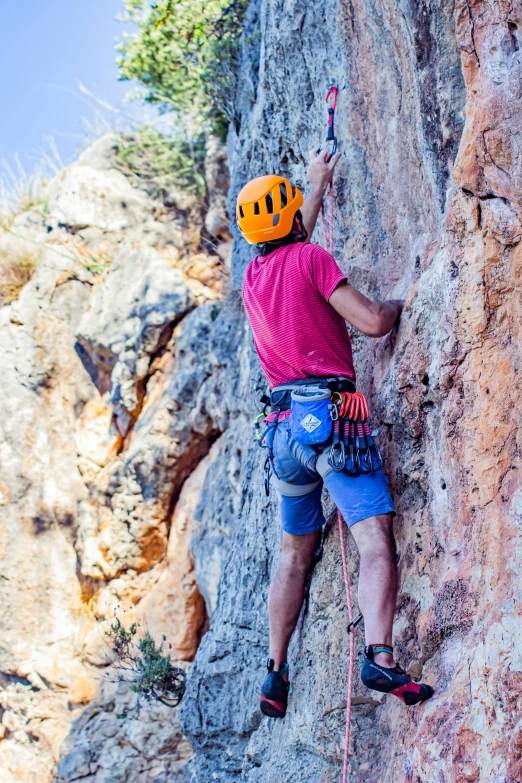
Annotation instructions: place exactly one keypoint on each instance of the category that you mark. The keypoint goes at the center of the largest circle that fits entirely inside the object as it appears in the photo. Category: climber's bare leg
(287, 591)
(377, 580)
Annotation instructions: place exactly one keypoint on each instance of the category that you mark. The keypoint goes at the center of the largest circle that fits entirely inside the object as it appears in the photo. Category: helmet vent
(284, 197)
(241, 212)
(256, 208)
(293, 191)
(269, 203)
(275, 220)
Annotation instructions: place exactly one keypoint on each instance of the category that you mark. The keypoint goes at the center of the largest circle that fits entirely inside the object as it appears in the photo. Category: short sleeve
(325, 274)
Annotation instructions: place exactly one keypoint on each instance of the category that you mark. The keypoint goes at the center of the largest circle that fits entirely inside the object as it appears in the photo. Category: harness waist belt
(280, 396)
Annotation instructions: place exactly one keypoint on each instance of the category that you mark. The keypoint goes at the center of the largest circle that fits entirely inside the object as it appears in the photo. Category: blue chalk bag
(311, 420)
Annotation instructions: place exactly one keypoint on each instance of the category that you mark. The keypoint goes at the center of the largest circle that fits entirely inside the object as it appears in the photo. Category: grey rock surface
(410, 75)
(89, 197)
(92, 515)
(136, 308)
(152, 746)
(88, 498)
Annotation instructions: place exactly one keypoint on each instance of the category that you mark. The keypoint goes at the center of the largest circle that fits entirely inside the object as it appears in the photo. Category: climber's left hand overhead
(320, 173)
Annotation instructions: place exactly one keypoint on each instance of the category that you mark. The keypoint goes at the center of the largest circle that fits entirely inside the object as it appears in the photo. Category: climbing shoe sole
(274, 693)
(394, 681)
(274, 709)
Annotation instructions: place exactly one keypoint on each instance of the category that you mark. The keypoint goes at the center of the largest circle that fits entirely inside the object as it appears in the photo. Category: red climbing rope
(352, 650)
(352, 406)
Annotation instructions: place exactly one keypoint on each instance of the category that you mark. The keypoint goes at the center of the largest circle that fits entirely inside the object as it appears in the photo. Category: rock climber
(298, 301)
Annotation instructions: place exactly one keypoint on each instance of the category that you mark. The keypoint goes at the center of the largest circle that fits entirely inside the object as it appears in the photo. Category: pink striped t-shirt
(297, 334)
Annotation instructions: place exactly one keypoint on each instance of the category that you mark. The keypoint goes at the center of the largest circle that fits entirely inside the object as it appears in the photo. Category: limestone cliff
(129, 477)
(118, 361)
(417, 79)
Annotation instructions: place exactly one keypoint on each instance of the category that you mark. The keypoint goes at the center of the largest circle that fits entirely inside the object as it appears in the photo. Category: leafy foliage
(162, 162)
(145, 664)
(185, 54)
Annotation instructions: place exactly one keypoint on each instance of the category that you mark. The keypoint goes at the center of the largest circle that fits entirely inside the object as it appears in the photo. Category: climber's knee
(374, 537)
(299, 551)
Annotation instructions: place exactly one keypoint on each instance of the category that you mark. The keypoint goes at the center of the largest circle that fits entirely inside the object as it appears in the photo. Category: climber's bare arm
(374, 319)
(320, 173)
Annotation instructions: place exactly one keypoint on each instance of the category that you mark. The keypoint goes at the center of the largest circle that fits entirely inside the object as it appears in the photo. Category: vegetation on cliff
(161, 162)
(146, 665)
(185, 56)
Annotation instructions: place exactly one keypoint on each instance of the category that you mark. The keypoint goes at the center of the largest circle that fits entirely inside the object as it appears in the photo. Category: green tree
(185, 56)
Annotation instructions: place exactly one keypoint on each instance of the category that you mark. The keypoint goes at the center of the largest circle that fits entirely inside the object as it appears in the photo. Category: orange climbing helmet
(266, 208)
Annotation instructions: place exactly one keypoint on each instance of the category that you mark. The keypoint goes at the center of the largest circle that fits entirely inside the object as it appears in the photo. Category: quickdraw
(331, 137)
(331, 141)
(353, 448)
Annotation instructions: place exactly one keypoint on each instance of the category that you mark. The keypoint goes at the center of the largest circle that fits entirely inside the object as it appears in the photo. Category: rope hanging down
(328, 242)
(351, 631)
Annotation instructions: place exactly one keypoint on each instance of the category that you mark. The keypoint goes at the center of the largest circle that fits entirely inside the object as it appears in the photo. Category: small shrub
(139, 660)
(162, 162)
(15, 271)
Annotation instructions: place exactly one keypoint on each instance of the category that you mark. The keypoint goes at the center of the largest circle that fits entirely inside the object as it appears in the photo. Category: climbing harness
(282, 406)
(331, 141)
(331, 428)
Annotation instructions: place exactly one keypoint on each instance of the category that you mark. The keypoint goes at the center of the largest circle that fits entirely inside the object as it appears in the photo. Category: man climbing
(298, 300)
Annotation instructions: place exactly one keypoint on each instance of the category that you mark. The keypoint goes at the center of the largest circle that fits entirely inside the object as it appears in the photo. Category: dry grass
(15, 271)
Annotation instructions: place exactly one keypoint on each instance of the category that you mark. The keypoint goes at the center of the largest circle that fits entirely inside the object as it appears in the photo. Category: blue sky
(46, 47)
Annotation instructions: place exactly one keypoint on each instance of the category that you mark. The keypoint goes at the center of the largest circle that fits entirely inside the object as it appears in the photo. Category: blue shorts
(356, 497)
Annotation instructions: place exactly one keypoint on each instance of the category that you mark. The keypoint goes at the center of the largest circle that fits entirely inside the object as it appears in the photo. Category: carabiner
(337, 461)
(268, 474)
(366, 464)
(332, 90)
(354, 623)
(380, 461)
(372, 446)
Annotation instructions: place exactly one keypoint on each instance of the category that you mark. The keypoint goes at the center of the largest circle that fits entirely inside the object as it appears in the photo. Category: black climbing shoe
(394, 681)
(274, 693)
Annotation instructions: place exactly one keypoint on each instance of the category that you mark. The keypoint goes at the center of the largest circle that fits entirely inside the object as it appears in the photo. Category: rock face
(129, 477)
(118, 361)
(444, 392)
